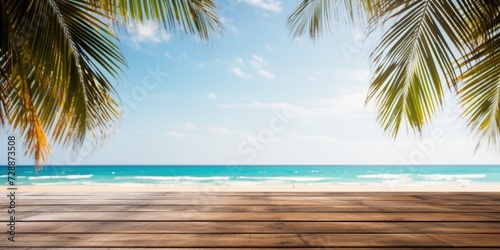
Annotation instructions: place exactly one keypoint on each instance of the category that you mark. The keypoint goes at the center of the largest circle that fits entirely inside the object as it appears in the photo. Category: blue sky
(256, 96)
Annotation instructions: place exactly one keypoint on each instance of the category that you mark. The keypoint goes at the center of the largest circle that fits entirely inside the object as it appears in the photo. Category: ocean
(256, 175)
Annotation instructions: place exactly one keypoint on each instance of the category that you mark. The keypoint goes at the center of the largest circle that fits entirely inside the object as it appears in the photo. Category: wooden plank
(259, 227)
(444, 216)
(450, 227)
(222, 201)
(457, 197)
(434, 208)
(205, 191)
(229, 201)
(201, 248)
(193, 208)
(371, 240)
(470, 240)
(212, 197)
(204, 216)
(155, 240)
(433, 203)
(198, 248)
(209, 227)
(261, 208)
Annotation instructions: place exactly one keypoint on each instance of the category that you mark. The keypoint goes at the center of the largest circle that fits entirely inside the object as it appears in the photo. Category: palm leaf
(414, 60)
(59, 60)
(61, 65)
(198, 17)
(480, 96)
(315, 17)
(480, 89)
(429, 44)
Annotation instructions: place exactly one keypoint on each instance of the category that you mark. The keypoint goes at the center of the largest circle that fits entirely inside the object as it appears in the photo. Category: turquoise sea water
(252, 175)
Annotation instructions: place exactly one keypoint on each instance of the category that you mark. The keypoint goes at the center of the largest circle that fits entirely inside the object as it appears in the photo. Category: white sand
(267, 188)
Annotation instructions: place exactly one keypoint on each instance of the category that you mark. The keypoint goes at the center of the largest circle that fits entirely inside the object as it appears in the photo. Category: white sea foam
(17, 177)
(451, 177)
(279, 178)
(88, 183)
(385, 176)
(46, 177)
(62, 183)
(177, 178)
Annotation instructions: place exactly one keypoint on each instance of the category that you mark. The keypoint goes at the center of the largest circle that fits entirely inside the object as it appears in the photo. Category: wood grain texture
(270, 220)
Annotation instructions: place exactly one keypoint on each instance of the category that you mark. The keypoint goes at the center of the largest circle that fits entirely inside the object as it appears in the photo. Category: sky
(257, 96)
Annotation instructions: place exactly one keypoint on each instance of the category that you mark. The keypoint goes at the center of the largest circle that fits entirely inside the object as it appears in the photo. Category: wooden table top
(254, 220)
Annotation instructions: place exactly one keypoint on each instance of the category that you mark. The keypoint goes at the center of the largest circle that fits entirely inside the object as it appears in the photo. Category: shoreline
(263, 188)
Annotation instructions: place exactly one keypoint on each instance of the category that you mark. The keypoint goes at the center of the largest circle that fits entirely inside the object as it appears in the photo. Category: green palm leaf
(59, 60)
(480, 89)
(414, 60)
(315, 17)
(417, 55)
(197, 17)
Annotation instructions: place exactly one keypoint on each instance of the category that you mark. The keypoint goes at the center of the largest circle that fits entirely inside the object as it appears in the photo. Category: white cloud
(346, 106)
(237, 71)
(148, 32)
(269, 5)
(313, 79)
(239, 61)
(186, 125)
(357, 75)
(212, 95)
(201, 65)
(175, 134)
(168, 56)
(266, 74)
(260, 105)
(360, 37)
(229, 23)
(229, 105)
(268, 47)
(221, 131)
(257, 61)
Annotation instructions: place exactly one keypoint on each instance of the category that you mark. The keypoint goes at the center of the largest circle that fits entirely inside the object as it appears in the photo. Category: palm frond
(63, 63)
(414, 60)
(59, 60)
(480, 89)
(4, 58)
(198, 17)
(482, 17)
(480, 96)
(315, 17)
